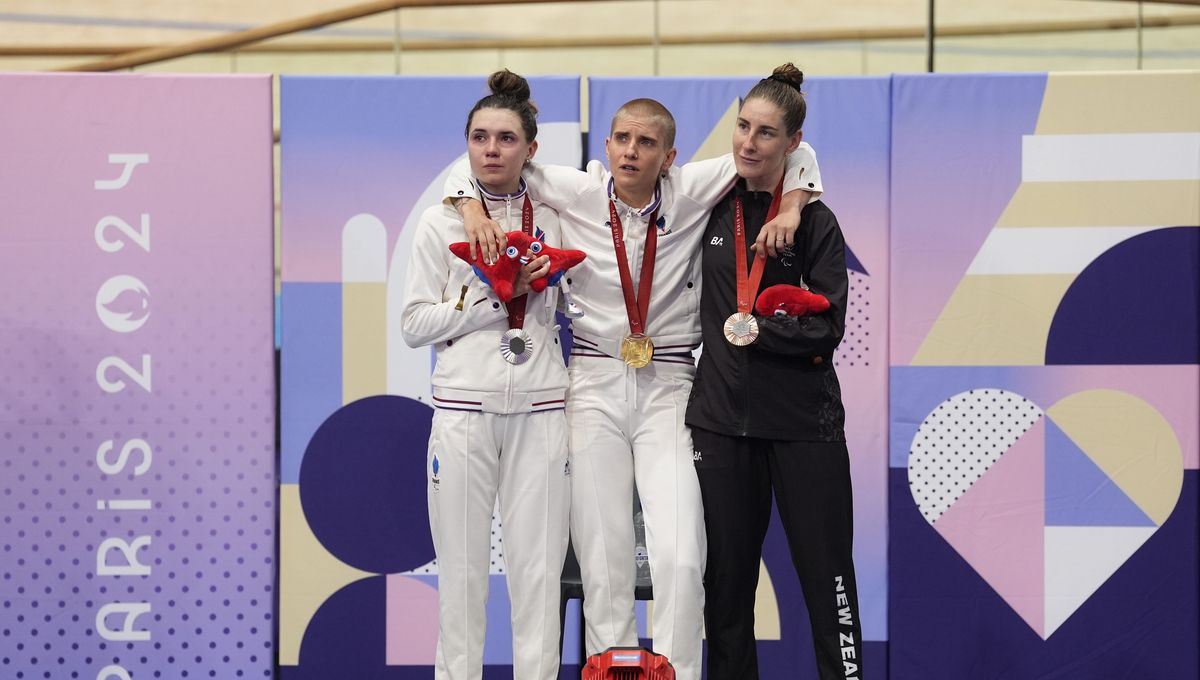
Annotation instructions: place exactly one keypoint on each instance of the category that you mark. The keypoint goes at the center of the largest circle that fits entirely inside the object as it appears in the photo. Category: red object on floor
(628, 663)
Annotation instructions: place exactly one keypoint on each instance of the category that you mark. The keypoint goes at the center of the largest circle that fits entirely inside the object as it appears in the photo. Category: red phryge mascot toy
(786, 300)
(502, 274)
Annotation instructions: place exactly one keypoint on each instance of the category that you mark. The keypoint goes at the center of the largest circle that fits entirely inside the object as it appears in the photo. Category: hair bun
(788, 74)
(511, 92)
(782, 89)
(507, 83)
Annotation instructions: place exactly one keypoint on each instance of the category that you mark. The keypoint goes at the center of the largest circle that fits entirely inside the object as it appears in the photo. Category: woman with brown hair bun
(499, 385)
(766, 410)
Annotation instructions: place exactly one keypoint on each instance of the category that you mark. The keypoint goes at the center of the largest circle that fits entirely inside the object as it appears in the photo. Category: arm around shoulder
(557, 186)
(460, 183)
(706, 181)
(803, 173)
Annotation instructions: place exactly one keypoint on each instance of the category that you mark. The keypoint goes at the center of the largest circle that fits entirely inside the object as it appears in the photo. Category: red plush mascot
(502, 275)
(785, 300)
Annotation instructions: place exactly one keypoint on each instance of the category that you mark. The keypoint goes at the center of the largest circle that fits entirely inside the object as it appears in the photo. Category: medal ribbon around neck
(516, 307)
(747, 286)
(635, 309)
(516, 347)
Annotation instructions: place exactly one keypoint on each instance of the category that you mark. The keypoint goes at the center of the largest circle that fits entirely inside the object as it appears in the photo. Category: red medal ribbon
(516, 306)
(747, 286)
(635, 309)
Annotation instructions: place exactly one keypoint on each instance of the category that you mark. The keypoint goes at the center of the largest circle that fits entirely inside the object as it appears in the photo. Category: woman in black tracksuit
(767, 417)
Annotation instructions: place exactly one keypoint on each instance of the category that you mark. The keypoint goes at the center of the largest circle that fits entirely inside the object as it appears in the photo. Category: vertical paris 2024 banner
(848, 124)
(1045, 258)
(362, 158)
(137, 411)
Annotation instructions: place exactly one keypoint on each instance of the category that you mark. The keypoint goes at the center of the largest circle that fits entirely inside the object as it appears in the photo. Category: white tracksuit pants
(523, 458)
(627, 424)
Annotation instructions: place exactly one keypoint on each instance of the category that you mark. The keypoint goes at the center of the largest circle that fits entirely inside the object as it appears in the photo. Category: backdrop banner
(137, 404)
(1021, 371)
(362, 158)
(1044, 379)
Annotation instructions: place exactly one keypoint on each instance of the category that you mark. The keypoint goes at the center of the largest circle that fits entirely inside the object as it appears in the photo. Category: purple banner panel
(137, 406)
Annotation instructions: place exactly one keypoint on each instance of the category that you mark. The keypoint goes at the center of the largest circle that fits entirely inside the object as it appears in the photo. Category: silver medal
(516, 346)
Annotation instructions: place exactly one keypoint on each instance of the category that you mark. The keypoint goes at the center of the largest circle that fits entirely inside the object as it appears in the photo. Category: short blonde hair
(651, 110)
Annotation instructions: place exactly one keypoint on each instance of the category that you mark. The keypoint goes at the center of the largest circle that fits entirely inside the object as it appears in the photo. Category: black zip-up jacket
(784, 385)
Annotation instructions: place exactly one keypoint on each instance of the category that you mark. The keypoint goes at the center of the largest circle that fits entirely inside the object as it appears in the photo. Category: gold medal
(636, 350)
(741, 329)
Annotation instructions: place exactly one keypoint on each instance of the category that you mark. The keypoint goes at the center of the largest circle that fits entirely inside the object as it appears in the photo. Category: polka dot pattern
(208, 415)
(497, 563)
(960, 440)
(855, 349)
(211, 524)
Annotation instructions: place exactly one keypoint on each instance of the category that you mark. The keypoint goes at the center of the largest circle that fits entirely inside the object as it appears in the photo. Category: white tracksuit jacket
(627, 424)
(498, 430)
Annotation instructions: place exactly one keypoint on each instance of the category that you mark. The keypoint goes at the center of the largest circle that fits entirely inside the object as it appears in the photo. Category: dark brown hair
(509, 91)
(782, 88)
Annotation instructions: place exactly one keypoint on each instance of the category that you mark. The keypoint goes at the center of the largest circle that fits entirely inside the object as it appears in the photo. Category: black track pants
(811, 484)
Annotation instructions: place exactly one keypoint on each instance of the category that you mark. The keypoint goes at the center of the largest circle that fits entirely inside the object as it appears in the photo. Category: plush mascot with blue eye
(502, 275)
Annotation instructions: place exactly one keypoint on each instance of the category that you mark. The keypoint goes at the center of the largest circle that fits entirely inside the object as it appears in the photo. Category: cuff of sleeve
(803, 179)
(456, 192)
(802, 173)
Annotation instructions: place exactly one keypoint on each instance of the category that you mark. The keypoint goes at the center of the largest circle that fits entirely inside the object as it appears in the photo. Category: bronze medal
(741, 329)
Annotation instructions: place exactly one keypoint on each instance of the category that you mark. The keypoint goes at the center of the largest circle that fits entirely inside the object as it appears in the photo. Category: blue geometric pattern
(1079, 493)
